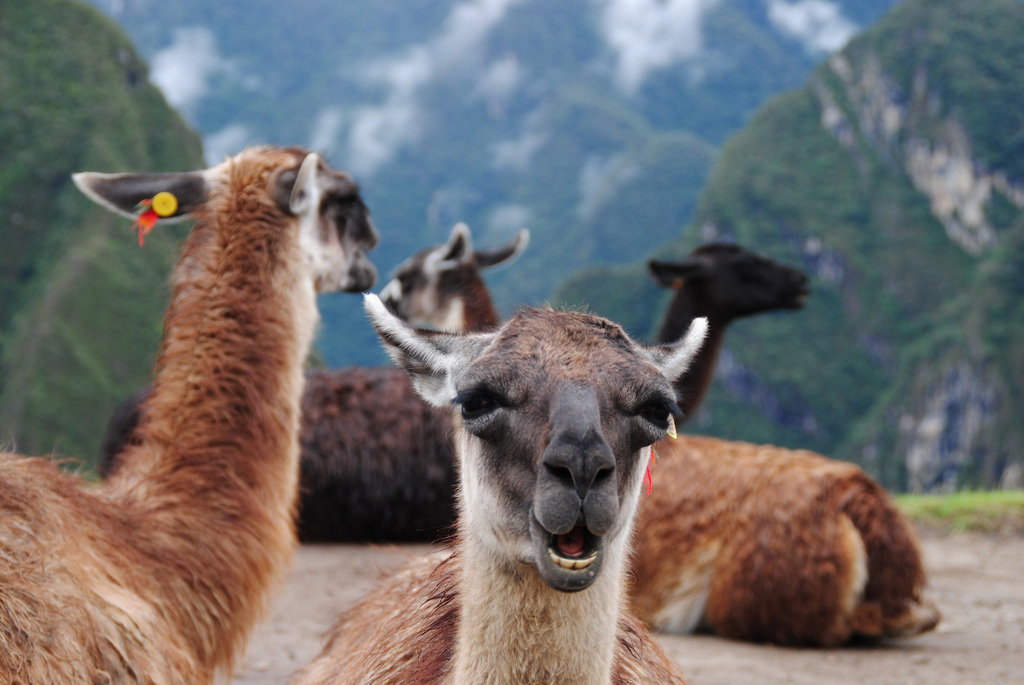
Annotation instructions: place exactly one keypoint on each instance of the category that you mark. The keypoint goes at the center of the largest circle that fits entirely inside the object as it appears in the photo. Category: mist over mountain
(594, 124)
(895, 177)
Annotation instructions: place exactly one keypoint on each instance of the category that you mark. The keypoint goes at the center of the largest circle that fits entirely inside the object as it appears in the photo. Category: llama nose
(577, 467)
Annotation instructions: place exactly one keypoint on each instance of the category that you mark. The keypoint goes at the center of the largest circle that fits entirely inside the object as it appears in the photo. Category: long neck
(469, 307)
(214, 477)
(515, 629)
(695, 383)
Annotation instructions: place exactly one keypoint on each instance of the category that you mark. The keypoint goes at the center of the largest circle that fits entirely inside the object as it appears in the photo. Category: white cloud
(326, 129)
(517, 153)
(377, 132)
(506, 220)
(599, 179)
(501, 79)
(225, 142)
(818, 24)
(651, 34)
(183, 69)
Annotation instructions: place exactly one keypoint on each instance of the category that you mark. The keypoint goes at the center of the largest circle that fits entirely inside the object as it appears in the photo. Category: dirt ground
(977, 581)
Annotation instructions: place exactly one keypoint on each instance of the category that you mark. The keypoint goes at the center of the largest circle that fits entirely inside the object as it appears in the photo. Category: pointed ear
(306, 192)
(121, 193)
(673, 360)
(503, 253)
(672, 274)
(431, 358)
(457, 250)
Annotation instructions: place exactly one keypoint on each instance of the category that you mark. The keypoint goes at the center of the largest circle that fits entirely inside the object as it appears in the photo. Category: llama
(721, 282)
(159, 574)
(758, 542)
(556, 412)
(767, 544)
(441, 287)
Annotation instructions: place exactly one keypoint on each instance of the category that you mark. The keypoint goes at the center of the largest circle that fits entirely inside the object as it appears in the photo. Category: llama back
(46, 592)
(366, 426)
(769, 544)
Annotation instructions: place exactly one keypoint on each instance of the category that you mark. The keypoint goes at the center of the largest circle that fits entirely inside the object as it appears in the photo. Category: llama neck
(515, 629)
(480, 314)
(229, 375)
(214, 478)
(469, 307)
(695, 383)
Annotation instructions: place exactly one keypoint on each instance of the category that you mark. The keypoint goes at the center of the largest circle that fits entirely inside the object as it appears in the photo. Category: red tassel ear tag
(145, 219)
(149, 211)
(647, 477)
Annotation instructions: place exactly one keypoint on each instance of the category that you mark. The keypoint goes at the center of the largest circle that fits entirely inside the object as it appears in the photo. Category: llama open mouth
(573, 551)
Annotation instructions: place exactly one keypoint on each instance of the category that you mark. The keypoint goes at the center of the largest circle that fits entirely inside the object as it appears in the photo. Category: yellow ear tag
(672, 427)
(165, 204)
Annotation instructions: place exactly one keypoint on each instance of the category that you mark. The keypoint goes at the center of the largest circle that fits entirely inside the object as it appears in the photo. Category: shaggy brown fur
(377, 462)
(158, 575)
(404, 632)
(767, 544)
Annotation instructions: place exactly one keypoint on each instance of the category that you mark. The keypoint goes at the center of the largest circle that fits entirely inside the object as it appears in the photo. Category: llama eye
(657, 412)
(478, 403)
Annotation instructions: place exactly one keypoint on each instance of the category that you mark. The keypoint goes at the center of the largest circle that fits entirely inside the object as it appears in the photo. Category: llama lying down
(159, 574)
(758, 542)
(555, 414)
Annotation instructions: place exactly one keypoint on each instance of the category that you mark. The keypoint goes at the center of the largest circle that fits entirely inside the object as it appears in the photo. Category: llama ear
(673, 360)
(122, 193)
(305, 193)
(457, 250)
(431, 358)
(672, 274)
(503, 253)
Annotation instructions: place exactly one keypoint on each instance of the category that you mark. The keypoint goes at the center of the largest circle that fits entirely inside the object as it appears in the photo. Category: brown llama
(555, 413)
(757, 542)
(159, 574)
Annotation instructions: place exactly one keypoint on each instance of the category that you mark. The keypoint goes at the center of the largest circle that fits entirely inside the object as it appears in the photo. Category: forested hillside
(896, 178)
(592, 123)
(80, 303)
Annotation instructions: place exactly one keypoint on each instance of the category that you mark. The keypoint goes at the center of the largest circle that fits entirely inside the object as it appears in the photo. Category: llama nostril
(562, 474)
(603, 475)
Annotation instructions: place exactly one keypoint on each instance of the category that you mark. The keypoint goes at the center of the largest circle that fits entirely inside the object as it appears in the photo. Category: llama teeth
(571, 564)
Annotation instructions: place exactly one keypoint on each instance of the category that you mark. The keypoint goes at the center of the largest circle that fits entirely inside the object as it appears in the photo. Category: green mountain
(594, 124)
(80, 303)
(895, 177)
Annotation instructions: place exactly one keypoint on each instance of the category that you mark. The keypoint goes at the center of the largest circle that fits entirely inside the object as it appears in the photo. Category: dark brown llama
(555, 415)
(159, 574)
(721, 282)
(758, 542)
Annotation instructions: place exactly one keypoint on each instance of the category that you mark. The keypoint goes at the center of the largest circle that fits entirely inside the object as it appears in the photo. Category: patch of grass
(994, 511)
